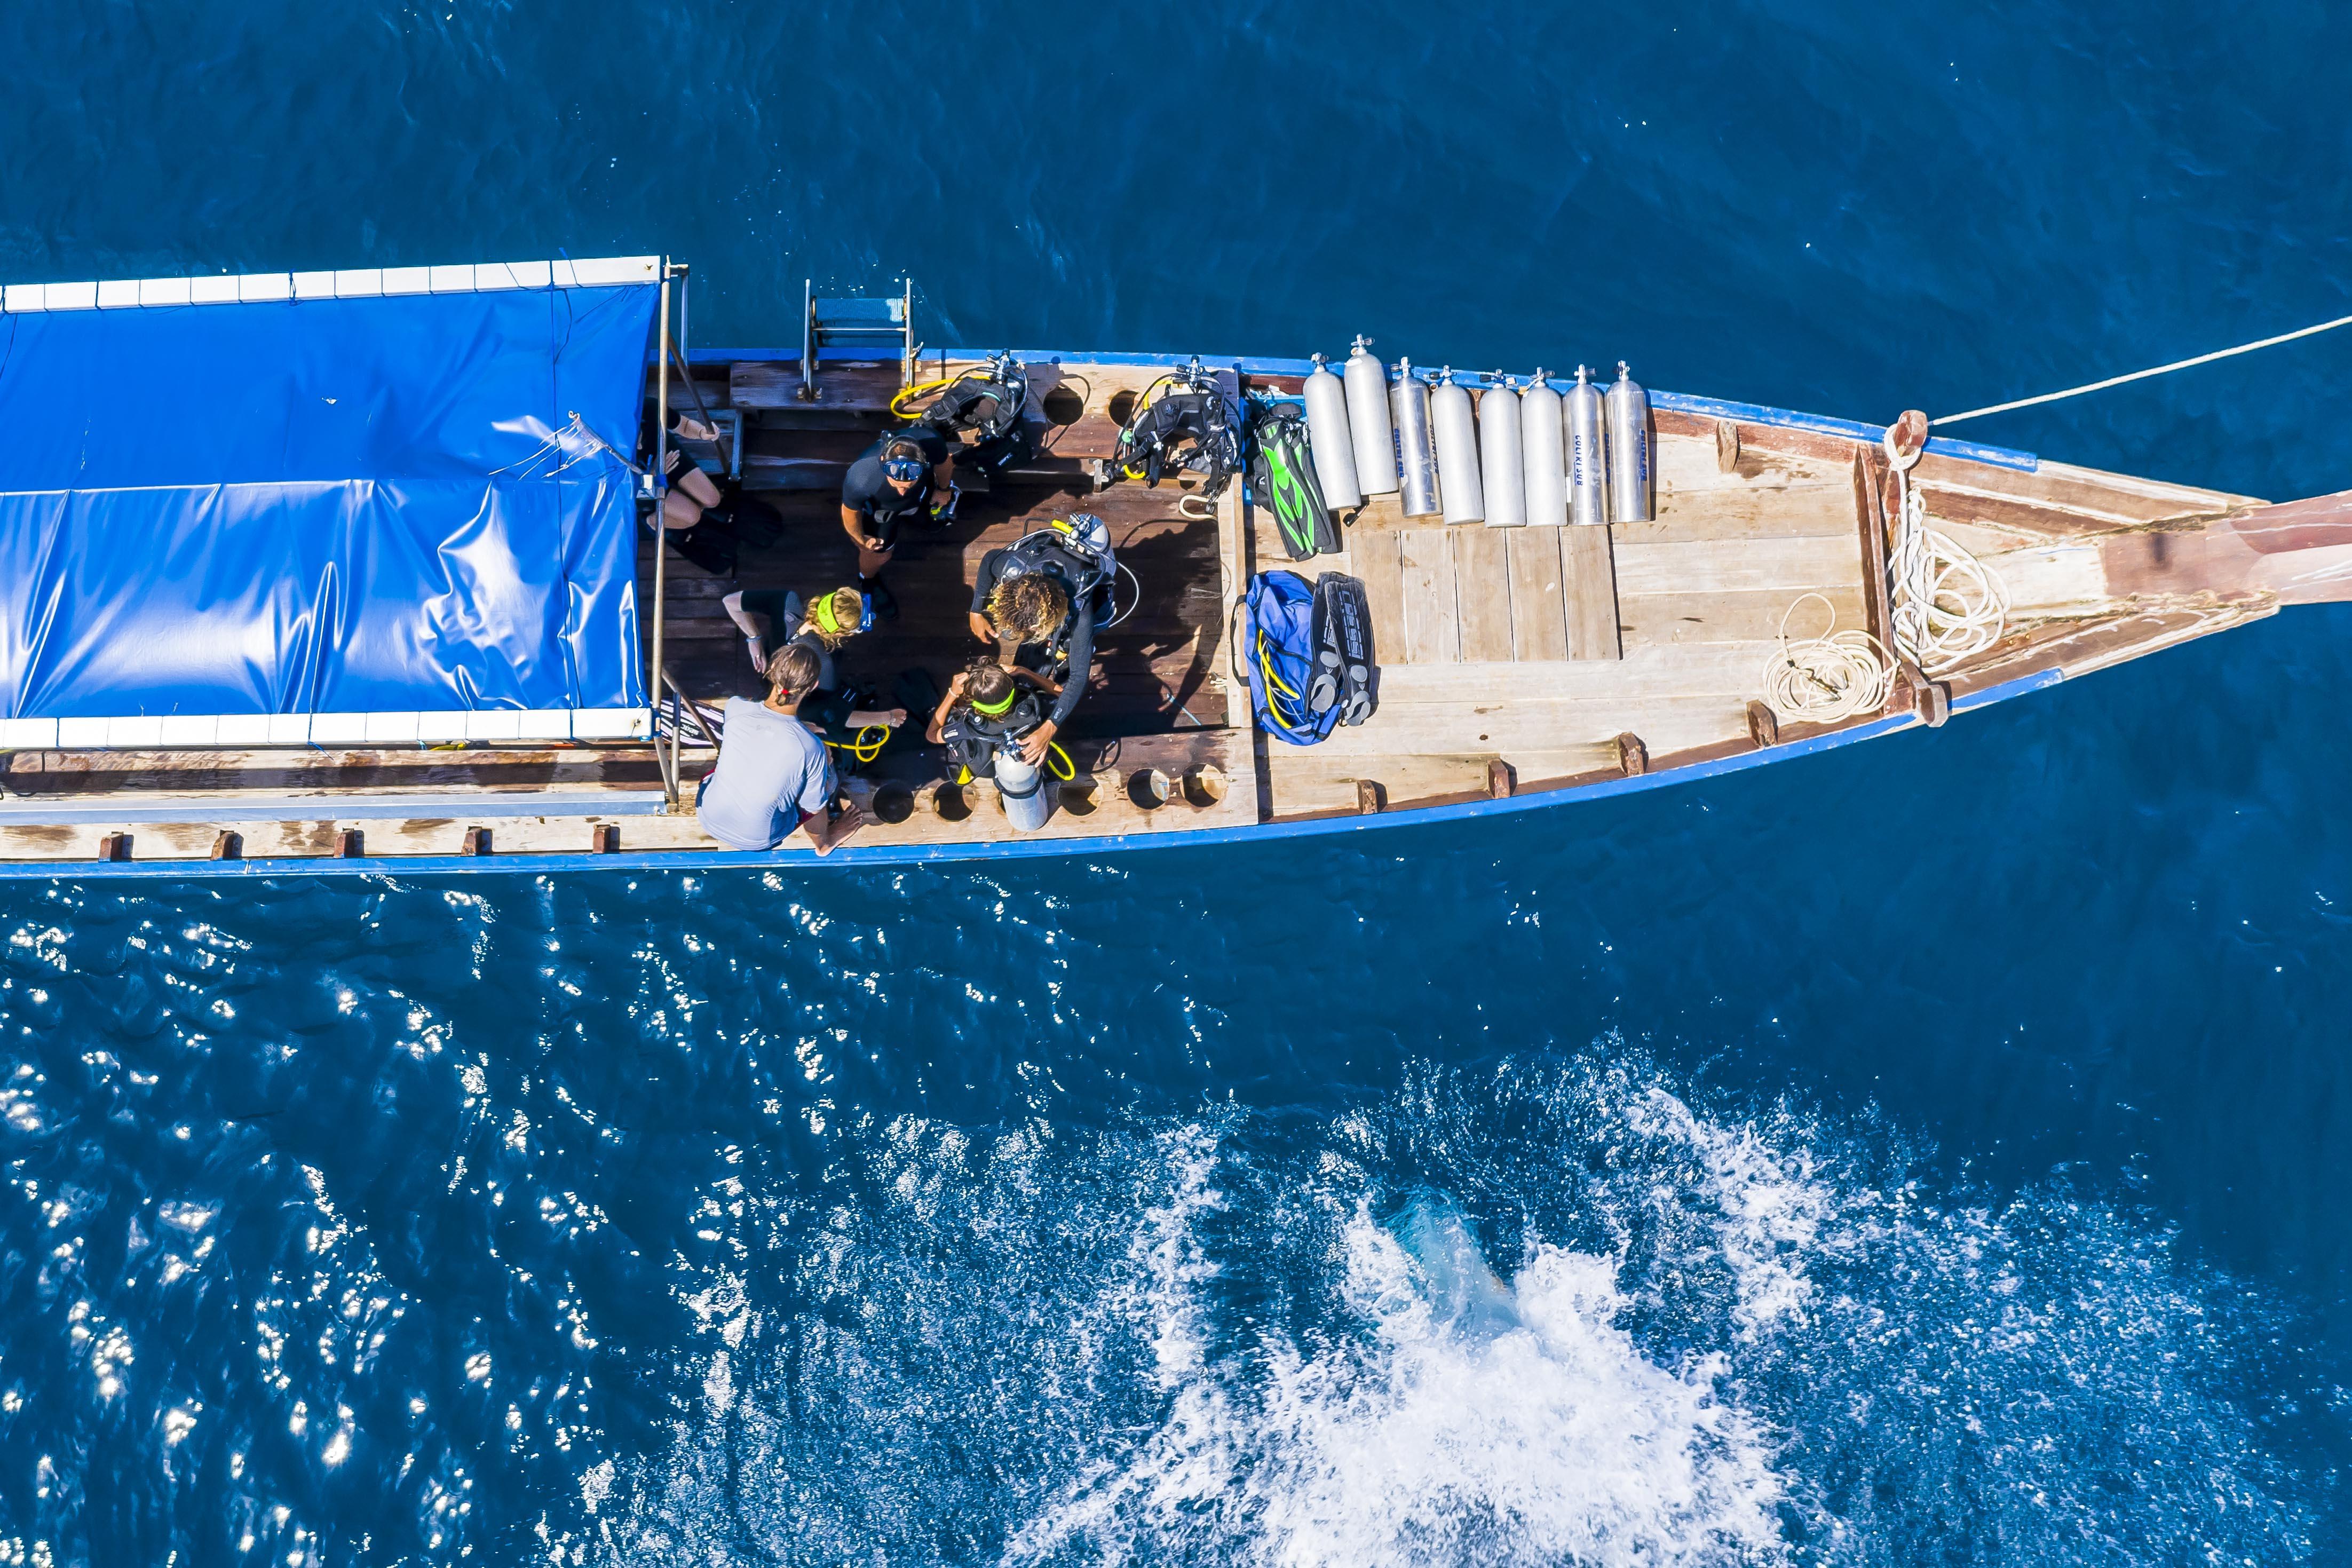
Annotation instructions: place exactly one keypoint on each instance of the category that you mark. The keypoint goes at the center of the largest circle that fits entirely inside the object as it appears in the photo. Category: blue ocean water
(1929, 1152)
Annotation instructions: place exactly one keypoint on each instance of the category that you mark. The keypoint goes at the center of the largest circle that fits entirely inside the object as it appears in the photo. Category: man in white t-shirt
(774, 773)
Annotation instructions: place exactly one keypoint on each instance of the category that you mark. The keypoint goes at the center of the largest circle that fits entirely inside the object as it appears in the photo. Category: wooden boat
(1518, 667)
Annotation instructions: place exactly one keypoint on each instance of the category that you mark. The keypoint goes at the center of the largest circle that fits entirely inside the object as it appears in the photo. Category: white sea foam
(1555, 1440)
(1690, 1336)
(1770, 1212)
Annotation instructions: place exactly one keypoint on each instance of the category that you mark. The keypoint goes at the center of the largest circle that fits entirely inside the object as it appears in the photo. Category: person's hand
(875, 546)
(695, 430)
(894, 716)
(956, 687)
(981, 630)
(1034, 743)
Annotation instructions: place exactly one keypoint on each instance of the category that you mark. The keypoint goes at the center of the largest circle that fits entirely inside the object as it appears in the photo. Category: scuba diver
(895, 480)
(822, 623)
(1046, 594)
(985, 721)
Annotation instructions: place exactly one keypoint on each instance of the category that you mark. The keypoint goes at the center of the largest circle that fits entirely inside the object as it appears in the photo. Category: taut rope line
(2144, 374)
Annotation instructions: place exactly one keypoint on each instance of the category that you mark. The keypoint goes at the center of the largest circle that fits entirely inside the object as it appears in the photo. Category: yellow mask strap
(1002, 705)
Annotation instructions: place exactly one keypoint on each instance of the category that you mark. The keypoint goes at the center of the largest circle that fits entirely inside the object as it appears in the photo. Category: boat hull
(1522, 670)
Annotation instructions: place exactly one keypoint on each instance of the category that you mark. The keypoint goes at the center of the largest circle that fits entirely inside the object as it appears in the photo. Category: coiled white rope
(1947, 604)
(1835, 676)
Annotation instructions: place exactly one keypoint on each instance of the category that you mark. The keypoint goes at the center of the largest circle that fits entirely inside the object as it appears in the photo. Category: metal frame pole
(661, 543)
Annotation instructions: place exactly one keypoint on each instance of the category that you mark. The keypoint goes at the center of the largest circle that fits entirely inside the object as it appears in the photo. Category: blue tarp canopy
(325, 506)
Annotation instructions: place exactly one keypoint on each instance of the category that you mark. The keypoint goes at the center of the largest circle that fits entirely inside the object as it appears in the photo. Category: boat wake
(1556, 1315)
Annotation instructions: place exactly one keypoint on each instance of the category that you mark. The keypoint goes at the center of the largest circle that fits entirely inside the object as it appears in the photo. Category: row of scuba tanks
(1528, 454)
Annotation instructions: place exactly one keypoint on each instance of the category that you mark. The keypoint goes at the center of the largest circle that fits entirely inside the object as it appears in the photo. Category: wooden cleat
(1763, 725)
(1633, 756)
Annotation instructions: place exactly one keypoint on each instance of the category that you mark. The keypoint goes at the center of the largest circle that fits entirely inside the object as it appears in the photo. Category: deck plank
(1709, 566)
(1481, 591)
(1433, 630)
(1511, 729)
(1380, 566)
(1589, 572)
(1754, 618)
(1539, 605)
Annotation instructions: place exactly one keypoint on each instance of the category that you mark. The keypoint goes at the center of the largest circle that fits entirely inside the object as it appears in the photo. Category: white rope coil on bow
(1835, 676)
(1947, 604)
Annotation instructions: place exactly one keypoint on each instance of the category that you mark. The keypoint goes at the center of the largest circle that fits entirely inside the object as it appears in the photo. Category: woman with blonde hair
(821, 625)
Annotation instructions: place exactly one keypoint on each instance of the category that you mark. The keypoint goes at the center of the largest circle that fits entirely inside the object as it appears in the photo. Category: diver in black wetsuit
(1045, 599)
(894, 483)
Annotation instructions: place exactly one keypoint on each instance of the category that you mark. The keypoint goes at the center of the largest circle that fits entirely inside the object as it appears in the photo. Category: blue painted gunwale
(1681, 403)
(854, 860)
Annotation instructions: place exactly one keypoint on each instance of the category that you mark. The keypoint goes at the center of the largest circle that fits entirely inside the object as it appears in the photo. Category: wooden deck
(1539, 647)
(1157, 698)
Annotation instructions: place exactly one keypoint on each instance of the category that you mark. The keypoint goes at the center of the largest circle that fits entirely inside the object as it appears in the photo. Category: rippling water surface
(1925, 1153)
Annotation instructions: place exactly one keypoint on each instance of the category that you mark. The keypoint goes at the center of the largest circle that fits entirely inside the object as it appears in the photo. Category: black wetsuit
(1073, 646)
(972, 739)
(881, 509)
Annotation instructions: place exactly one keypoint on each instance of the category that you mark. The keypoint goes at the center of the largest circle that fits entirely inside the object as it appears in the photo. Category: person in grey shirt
(774, 773)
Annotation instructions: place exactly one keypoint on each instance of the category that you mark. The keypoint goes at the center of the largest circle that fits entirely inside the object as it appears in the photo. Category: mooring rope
(2144, 374)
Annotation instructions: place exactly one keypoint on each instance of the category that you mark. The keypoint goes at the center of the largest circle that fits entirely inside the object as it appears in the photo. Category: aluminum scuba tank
(1506, 486)
(1368, 425)
(1630, 455)
(1450, 418)
(1416, 457)
(1327, 435)
(1541, 458)
(1588, 451)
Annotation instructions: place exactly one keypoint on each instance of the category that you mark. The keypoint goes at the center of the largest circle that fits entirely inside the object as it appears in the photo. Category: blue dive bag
(1277, 644)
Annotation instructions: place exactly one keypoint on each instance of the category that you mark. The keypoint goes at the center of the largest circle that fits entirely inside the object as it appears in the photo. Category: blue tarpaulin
(321, 506)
